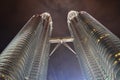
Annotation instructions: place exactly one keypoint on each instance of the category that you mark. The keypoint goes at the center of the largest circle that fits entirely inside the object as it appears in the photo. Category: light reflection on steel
(97, 48)
(61, 40)
(26, 57)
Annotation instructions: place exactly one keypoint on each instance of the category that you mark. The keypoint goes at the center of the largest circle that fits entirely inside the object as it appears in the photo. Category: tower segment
(97, 48)
(26, 57)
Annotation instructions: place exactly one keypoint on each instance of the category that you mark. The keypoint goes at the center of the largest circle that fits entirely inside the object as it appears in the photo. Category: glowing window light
(98, 40)
(119, 59)
(115, 62)
(118, 54)
(94, 29)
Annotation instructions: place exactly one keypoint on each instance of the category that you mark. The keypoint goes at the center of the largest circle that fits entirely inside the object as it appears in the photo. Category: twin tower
(97, 49)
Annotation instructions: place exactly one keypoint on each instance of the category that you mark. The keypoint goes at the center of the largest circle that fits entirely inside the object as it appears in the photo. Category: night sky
(15, 13)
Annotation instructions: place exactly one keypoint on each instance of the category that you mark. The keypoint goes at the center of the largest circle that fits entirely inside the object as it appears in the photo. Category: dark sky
(15, 13)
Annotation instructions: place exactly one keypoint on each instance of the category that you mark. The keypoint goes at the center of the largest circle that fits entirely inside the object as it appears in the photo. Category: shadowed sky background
(15, 13)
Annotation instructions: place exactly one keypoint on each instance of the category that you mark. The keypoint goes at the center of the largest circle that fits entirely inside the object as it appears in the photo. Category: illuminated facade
(26, 57)
(96, 48)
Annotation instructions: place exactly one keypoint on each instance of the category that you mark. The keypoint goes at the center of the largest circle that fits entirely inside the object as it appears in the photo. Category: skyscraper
(26, 57)
(97, 49)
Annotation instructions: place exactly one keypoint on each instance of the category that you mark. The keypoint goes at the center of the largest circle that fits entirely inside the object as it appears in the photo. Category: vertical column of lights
(97, 68)
(106, 43)
(78, 46)
(13, 58)
(99, 60)
(76, 42)
(92, 57)
(38, 70)
(82, 44)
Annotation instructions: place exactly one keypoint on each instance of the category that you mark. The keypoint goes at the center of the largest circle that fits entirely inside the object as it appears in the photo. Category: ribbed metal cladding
(76, 42)
(17, 60)
(95, 45)
(82, 44)
(38, 70)
(106, 43)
